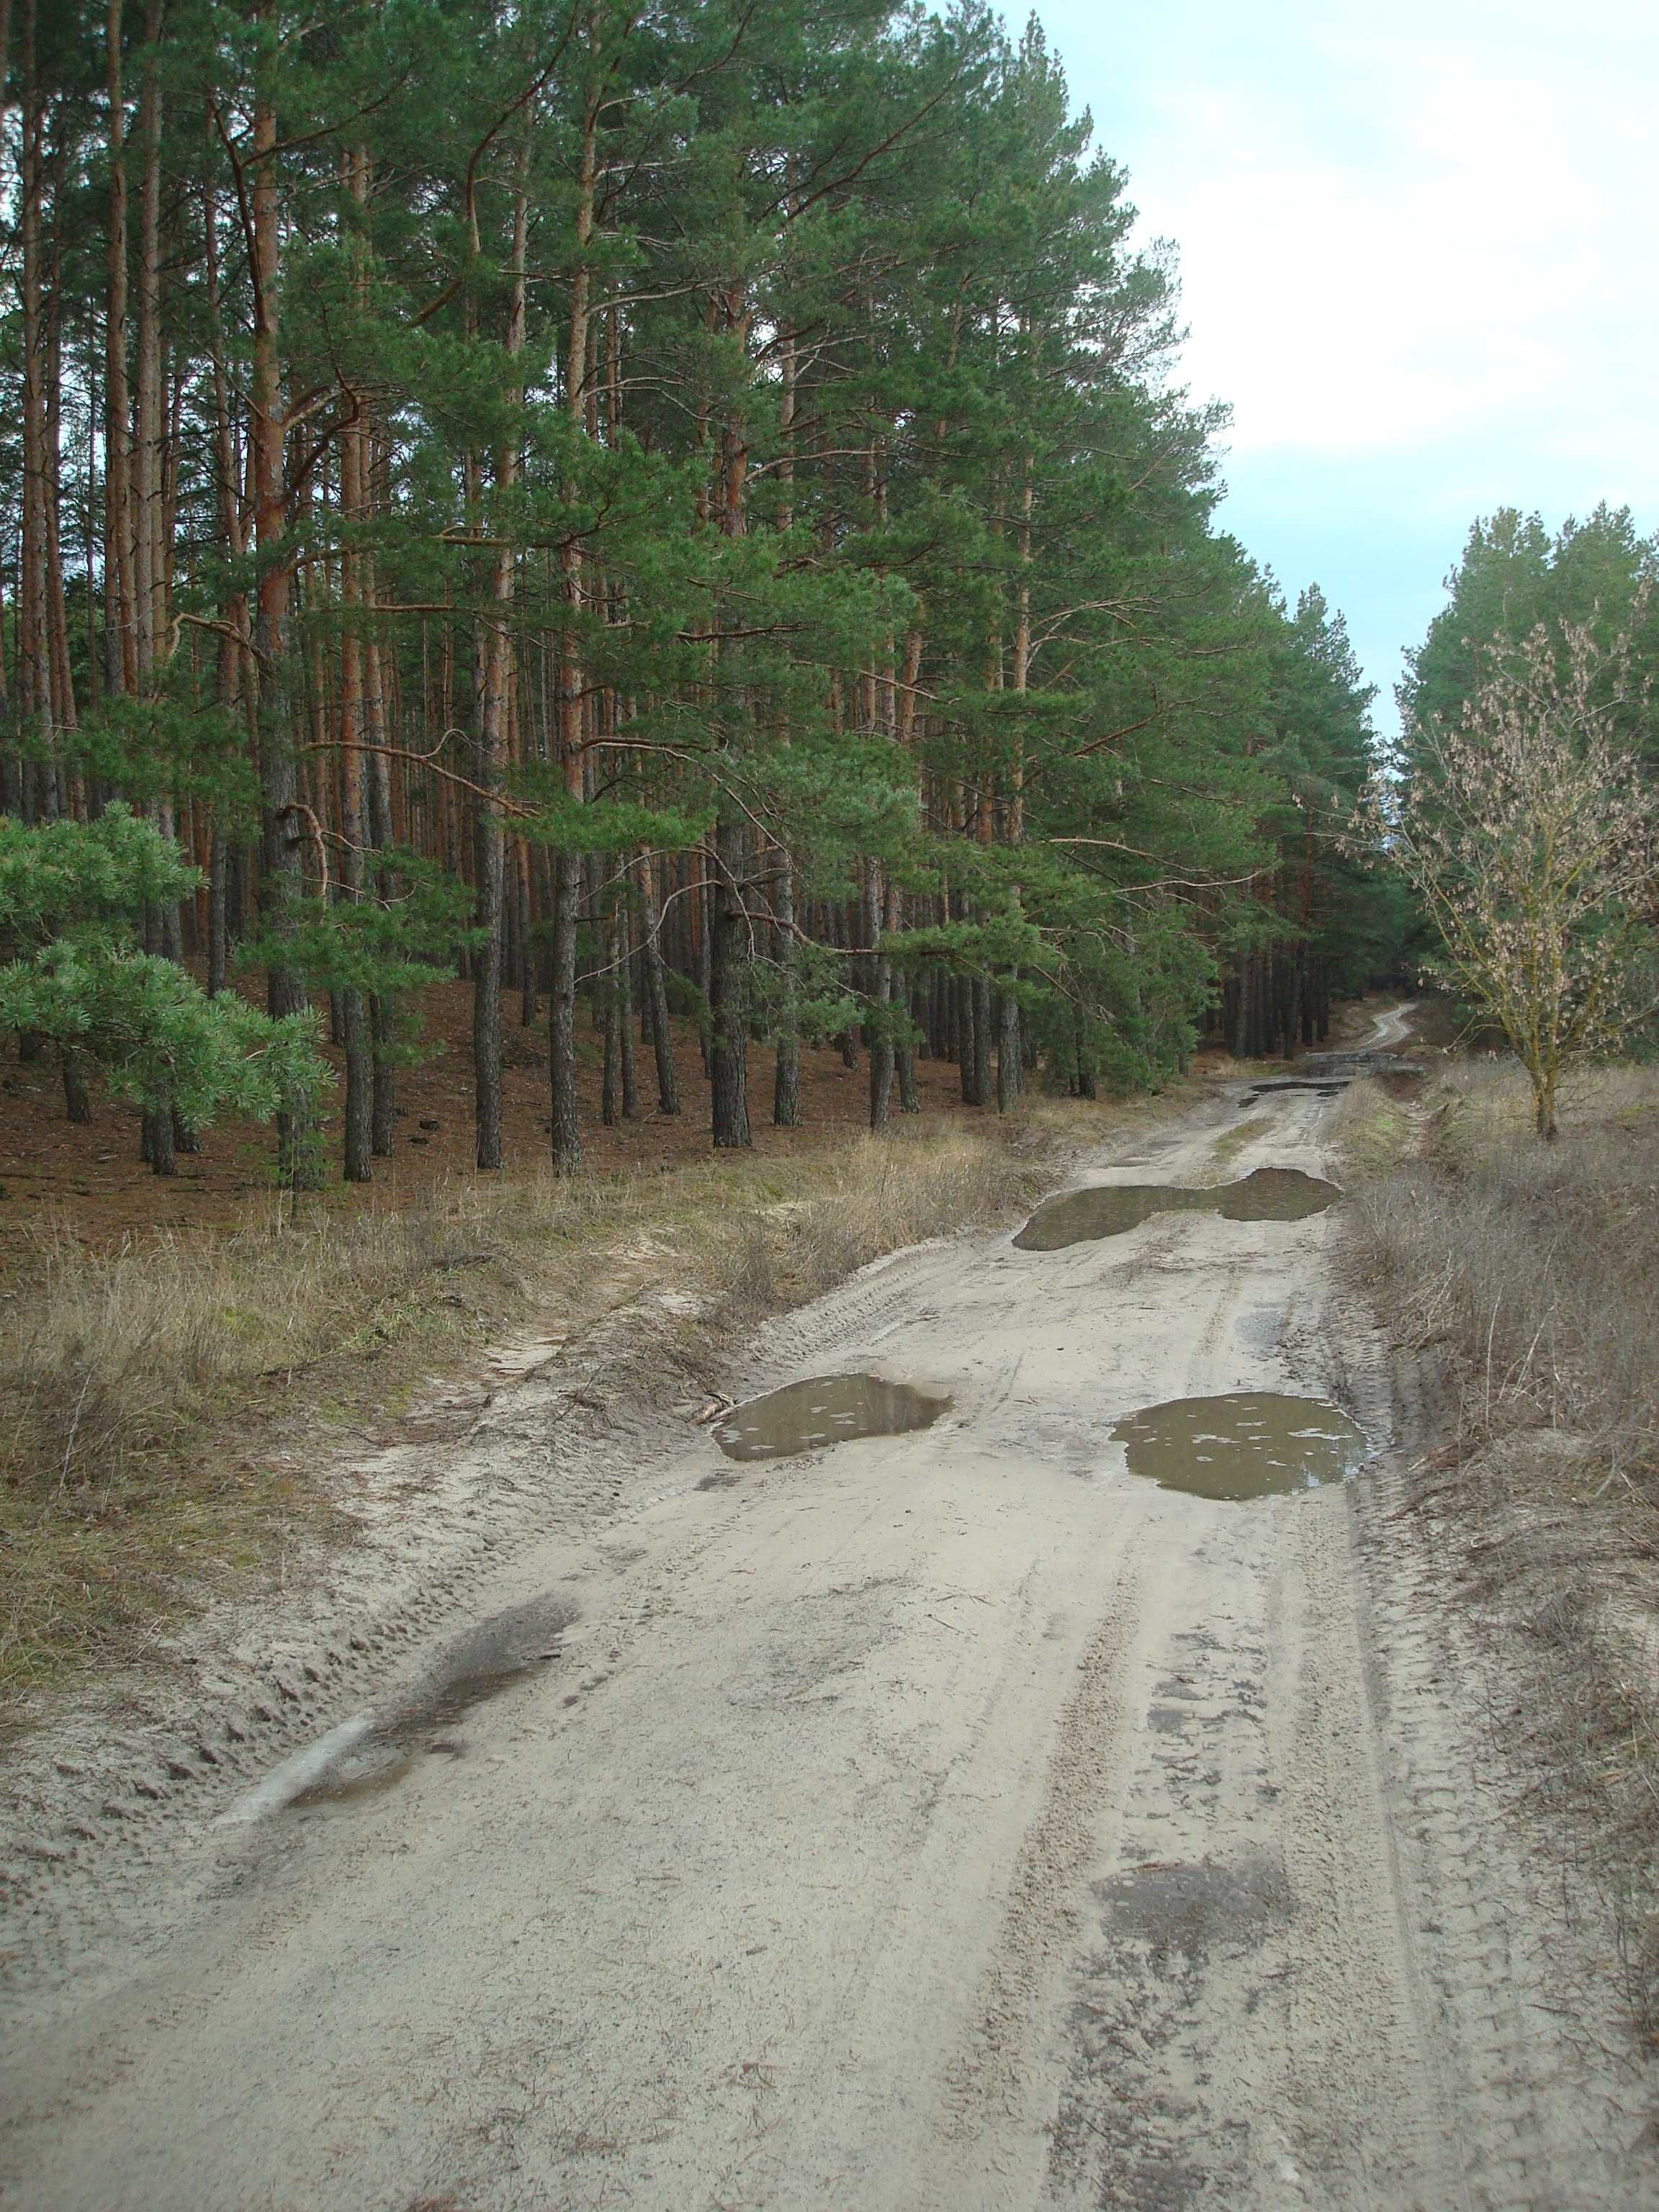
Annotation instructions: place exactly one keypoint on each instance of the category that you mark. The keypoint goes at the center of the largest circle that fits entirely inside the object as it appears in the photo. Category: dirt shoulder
(1524, 1313)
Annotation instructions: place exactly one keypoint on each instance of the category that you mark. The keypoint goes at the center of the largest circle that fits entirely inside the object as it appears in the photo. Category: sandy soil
(947, 1821)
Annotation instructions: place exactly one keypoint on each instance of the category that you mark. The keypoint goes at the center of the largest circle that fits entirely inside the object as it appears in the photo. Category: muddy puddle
(1330, 1073)
(1249, 1443)
(376, 1750)
(829, 1410)
(1079, 1216)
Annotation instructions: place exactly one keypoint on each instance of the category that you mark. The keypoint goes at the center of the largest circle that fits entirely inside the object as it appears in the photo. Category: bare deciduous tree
(1529, 832)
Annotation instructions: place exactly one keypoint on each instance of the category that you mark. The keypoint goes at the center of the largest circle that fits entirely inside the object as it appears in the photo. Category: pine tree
(692, 510)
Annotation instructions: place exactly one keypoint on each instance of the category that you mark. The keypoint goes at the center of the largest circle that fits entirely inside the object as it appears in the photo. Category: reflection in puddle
(1276, 1194)
(365, 1772)
(829, 1410)
(1250, 1443)
(380, 1752)
(1078, 1217)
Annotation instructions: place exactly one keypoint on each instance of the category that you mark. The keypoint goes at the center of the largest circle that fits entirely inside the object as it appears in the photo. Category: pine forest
(683, 514)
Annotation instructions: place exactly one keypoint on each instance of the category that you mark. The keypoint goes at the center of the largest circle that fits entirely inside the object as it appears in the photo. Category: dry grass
(1377, 1124)
(1532, 1270)
(167, 1412)
(1537, 1262)
(1228, 1146)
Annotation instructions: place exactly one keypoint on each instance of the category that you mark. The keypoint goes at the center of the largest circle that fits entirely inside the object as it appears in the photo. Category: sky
(1419, 245)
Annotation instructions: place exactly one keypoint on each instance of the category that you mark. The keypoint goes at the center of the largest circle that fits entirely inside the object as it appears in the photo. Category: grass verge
(170, 1415)
(1532, 1271)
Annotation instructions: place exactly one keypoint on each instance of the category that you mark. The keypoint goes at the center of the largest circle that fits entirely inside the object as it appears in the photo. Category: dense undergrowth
(170, 1414)
(1532, 1271)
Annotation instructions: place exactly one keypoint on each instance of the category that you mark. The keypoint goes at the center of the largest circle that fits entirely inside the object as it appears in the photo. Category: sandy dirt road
(944, 1821)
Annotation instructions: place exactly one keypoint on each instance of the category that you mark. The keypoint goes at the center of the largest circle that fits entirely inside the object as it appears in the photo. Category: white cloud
(1398, 226)
(1419, 247)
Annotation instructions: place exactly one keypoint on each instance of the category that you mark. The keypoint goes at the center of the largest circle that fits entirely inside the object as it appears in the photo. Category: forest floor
(953, 1819)
(88, 1183)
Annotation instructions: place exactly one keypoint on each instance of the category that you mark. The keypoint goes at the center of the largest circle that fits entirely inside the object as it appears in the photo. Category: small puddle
(375, 1749)
(829, 1410)
(1250, 1443)
(1079, 1216)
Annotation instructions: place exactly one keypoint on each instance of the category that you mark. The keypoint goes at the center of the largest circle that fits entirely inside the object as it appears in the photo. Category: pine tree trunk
(728, 1027)
(235, 677)
(487, 976)
(561, 1017)
(1008, 1070)
(493, 740)
(218, 935)
(77, 1106)
(529, 951)
(785, 1077)
(148, 513)
(1083, 1081)
(156, 1140)
(562, 995)
(383, 1106)
(382, 1015)
(612, 1023)
(703, 898)
(282, 881)
(622, 984)
(34, 631)
(656, 989)
(358, 1038)
(881, 993)
(120, 664)
(355, 1032)
(967, 1047)
(982, 1040)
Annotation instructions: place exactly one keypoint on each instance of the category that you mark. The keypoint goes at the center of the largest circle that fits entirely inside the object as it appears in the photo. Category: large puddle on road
(1078, 1217)
(1250, 1443)
(831, 1409)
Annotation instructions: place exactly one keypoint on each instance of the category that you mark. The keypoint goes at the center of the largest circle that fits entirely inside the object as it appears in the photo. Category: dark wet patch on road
(1079, 1216)
(1330, 1073)
(421, 1722)
(1190, 1910)
(1246, 1444)
(831, 1409)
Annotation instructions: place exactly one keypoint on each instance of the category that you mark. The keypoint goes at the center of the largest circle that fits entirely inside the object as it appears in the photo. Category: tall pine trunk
(728, 1022)
(561, 1008)
(493, 735)
(785, 1079)
(120, 645)
(656, 989)
(281, 836)
(881, 992)
(561, 1016)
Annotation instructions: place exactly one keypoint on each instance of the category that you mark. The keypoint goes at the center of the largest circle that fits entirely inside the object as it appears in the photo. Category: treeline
(677, 511)
(1514, 574)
